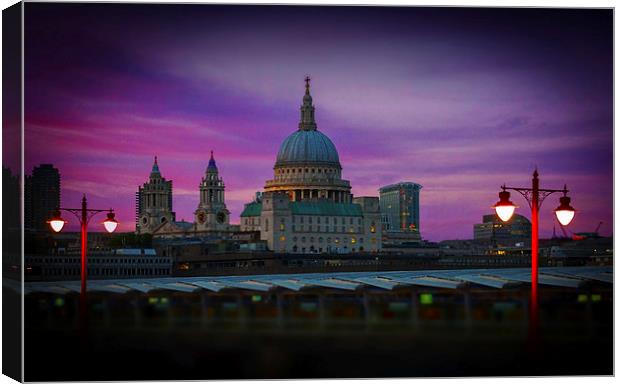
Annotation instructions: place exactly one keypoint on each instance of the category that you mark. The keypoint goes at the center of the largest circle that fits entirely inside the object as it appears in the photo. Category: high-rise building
(154, 202)
(10, 200)
(400, 207)
(41, 196)
(308, 207)
(515, 232)
(211, 213)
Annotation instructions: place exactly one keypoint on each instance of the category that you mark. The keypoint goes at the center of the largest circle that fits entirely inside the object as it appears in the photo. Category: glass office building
(400, 207)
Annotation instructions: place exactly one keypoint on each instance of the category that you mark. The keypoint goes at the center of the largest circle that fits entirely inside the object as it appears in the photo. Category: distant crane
(586, 235)
(598, 227)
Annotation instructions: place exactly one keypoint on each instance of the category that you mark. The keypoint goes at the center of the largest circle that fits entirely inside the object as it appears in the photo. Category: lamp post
(84, 214)
(535, 197)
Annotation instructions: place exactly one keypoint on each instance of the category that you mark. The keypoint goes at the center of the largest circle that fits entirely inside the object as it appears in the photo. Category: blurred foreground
(319, 333)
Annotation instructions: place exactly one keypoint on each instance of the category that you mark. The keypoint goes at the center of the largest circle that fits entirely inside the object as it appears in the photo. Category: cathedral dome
(307, 145)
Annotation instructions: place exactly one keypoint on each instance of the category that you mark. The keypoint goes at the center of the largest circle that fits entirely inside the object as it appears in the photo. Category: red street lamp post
(535, 197)
(84, 215)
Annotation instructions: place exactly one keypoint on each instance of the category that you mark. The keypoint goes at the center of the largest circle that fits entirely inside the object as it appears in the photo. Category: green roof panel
(252, 209)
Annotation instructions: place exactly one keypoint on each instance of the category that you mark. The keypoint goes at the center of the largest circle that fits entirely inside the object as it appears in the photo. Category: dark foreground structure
(381, 324)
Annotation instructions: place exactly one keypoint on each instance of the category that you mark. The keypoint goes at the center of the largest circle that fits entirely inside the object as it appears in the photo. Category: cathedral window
(303, 239)
(266, 225)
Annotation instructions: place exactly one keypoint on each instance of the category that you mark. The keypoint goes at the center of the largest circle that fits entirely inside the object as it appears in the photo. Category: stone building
(308, 207)
(211, 213)
(211, 218)
(154, 202)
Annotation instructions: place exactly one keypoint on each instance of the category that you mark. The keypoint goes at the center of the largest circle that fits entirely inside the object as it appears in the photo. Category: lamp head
(564, 212)
(504, 207)
(110, 223)
(56, 222)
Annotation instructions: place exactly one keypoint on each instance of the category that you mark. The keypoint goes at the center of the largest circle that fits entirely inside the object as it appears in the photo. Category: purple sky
(458, 100)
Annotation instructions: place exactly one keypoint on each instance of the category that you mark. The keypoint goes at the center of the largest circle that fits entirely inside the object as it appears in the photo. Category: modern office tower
(41, 196)
(400, 207)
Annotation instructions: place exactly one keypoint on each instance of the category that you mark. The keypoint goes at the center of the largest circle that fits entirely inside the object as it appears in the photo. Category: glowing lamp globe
(56, 222)
(504, 207)
(565, 212)
(110, 223)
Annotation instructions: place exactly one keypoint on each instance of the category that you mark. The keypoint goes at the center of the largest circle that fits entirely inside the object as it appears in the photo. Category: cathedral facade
(308, 207)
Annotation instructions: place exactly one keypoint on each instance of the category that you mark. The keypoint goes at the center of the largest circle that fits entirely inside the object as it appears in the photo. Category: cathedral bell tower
(211, 213)
(154, 202)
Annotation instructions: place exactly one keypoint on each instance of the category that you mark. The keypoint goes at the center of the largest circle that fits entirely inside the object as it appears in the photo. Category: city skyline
(407, 94)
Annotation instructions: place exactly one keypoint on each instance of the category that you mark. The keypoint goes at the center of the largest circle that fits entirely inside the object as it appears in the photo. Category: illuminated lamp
(565, 212)
(110, 223)
(504, 207)
(57, 222)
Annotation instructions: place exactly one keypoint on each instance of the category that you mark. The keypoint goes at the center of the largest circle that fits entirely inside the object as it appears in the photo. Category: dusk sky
(457, 100)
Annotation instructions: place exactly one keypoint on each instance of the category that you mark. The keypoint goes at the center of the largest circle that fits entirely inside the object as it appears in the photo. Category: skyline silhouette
(458, 100)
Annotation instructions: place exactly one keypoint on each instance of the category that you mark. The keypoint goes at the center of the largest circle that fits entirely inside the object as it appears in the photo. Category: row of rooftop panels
(571, 277)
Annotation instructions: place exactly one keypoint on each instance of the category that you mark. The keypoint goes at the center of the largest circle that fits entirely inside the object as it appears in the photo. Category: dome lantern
(307, 145)
(306, 122)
